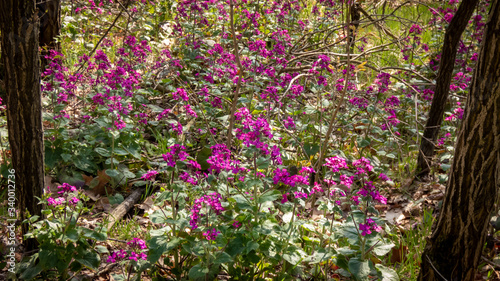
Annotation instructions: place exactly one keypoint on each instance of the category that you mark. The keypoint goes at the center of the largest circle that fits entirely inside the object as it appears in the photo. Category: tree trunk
(49, 12)
(454, 248)
(19, 26)
(449, 52)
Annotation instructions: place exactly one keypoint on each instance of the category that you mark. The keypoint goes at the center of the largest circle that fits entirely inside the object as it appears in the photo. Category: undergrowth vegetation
(266, 137)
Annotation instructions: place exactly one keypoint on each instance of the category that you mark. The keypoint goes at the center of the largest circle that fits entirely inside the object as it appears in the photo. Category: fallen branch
(124, 207)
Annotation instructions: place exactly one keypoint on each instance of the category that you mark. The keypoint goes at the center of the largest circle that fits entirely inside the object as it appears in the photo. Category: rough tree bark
(448, 54)
(455, 246)
(49, 12)
(19, 26)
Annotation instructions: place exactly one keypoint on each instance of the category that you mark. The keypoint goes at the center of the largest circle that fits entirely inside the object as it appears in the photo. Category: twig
(240, 76)
(319, 163)
(102, 38)
(430, 262)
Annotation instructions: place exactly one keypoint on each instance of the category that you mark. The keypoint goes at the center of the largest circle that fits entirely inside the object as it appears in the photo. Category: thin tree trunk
(49, 12)
(19, 26)
(445, 72)
(454, 249)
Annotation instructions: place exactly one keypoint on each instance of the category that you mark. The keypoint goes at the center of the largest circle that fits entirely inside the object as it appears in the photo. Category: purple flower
(289, 124)
(137, 243)
(448, 17)
(66, 188)
(55, 202)
(180, 94)
(415, 29)
(211, 234)
(150, 175)
(369, 226)
(362, 165)
(212, 200)
(236, 224)
(176, 153)
(74, 201)
(383, 177)
(285, 198)
(336, 163)
(299, 194)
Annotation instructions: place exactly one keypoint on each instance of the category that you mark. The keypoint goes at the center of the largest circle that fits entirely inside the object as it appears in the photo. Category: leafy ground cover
(270, 140)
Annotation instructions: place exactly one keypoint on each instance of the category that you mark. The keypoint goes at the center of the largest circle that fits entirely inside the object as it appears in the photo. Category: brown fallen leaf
(98, 184)
(52, 185)
(103, 203)
(399, 254)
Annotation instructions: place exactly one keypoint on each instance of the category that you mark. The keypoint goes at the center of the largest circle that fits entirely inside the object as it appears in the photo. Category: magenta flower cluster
(149, 175)
(221, 160)
(64, 189)
(135, 245)
(284, 177)
(176, 153)
(212, 201)
(366, 228)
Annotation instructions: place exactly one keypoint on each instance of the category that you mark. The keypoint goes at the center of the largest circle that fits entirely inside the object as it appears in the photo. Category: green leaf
(311, 149)
(198, 272)
(72, 235)
(359, 269)
(92, 234)
(158, 217)
(120, 151)
(31, 272)
(350, 232)
(342, 262)
(134, 150)
(112, 173)
(293, 255)
(159, 245)
(102, 151)
(445, 167)
(269, 196)
(116, 199)
(386, 274)
(287, 217)
(251, 245)
(202, 157)
(101, 249)
(223, 258)
(363, 142)
(66, 157)
(235, 246)
(89, 259)
(320, 256)
(242, 202)
(381, 249)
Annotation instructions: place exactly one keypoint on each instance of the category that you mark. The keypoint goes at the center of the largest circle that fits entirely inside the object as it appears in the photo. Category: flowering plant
(64, 243)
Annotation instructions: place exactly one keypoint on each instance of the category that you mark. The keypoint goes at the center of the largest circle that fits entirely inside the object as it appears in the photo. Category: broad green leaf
(120, 151)
(72, 235)
(198, 272)
(223, 258)
(112, 173)
(386, 274)
(242, 202)
(102, 151)
(92, 234)
(89, 259)
(116, 199)
(269, 196)
(359, 269)
(381, 249)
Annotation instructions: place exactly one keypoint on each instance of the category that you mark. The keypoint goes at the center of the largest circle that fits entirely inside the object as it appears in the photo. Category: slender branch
(104, 36)
(240, 75)
(339, 104)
